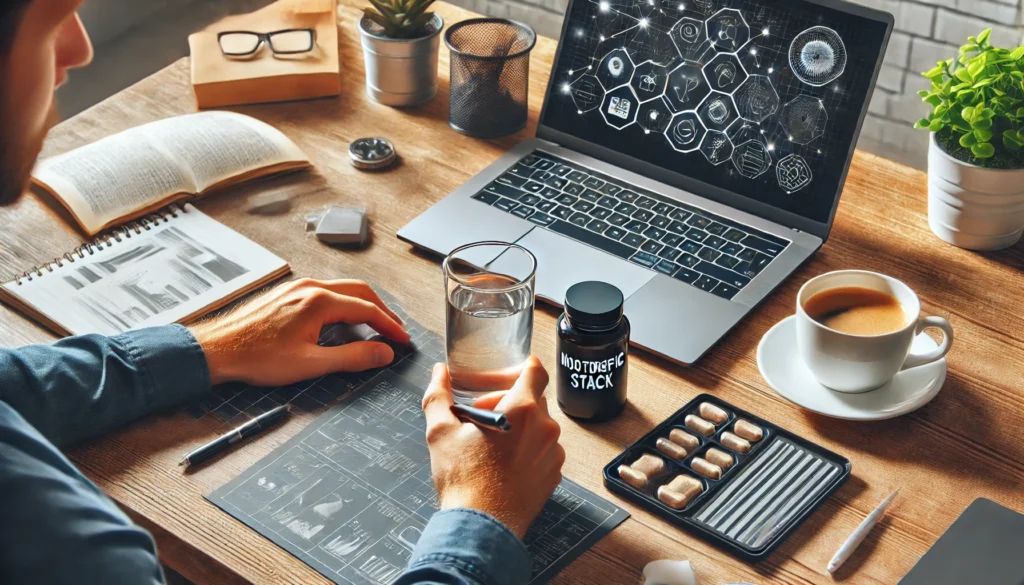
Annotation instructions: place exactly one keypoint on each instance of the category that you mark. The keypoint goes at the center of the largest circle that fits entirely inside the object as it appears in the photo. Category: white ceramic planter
(973, 207)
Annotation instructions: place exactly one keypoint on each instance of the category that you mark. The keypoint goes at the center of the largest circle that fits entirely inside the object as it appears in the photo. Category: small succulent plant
(401, 19)
(977, 103)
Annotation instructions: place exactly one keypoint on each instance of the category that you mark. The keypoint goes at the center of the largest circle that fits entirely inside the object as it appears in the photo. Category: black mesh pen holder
(490, 76)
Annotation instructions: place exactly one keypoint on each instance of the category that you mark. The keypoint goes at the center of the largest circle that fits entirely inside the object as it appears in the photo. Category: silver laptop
(690, 153)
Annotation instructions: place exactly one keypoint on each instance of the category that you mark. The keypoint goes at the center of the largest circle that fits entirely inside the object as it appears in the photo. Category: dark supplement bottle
(593, 347)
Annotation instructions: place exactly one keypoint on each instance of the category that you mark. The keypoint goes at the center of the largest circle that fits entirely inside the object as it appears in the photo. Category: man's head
(40, 40)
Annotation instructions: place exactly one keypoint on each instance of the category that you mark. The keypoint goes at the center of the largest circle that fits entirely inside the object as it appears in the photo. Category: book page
(176, 270)
(113, 177)
(217, 146)
(142, 169)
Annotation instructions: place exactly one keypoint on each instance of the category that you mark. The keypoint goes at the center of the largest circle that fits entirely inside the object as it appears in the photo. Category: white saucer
(786, 373)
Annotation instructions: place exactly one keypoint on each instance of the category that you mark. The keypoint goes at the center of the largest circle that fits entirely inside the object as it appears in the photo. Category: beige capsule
(678, 492)
(681, 437)
(684, 483)
(719, 458)
(748, 431)
(670, 449)
(735, 443)
(700, 425)
(713, 413)
(706, 468)
(649, 465)
(633, 477)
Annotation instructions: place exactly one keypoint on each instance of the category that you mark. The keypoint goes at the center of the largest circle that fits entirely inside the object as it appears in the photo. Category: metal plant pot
(400, 72)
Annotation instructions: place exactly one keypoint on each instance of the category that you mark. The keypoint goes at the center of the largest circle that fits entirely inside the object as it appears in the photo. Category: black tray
(799, 476)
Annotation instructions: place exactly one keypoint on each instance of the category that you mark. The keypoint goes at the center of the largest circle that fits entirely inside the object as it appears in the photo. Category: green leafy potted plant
(400, 45)
(976, 155)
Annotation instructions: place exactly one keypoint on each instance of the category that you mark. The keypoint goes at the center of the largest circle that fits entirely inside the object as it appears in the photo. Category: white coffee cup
(858, 363)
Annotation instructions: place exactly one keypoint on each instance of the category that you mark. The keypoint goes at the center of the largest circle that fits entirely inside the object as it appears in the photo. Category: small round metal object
(371, 153)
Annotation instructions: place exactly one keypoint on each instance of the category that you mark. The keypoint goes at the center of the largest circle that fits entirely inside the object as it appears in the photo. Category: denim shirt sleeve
(467, 547)
(81, 387)
(58, 527)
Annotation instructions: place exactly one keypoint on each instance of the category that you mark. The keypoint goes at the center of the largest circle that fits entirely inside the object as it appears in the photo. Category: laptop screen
(760, 98)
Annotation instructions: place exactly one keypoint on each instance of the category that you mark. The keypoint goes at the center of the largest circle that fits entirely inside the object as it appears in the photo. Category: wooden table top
(967, 443)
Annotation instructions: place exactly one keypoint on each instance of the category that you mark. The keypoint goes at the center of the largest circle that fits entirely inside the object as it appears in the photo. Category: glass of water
(490, 293)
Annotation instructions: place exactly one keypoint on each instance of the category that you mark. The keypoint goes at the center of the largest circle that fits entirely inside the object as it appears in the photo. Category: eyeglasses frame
(265, 39)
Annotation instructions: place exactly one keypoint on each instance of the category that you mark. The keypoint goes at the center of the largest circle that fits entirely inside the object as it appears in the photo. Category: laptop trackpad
(562, 262)
(679, 321)
(457, 220)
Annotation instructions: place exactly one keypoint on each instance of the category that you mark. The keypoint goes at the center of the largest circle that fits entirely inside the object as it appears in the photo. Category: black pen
(487, 419)
(253, 427)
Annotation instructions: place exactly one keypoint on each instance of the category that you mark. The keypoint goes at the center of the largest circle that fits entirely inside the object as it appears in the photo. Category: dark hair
(10, 17)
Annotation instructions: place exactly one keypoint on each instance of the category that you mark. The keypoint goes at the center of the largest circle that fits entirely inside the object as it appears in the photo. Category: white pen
(859, 534)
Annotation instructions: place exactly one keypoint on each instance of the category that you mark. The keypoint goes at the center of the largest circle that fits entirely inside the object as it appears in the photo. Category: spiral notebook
(170, 267)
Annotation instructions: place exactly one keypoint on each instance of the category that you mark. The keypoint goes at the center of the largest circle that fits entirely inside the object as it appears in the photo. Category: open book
(170, 267)
(134, 173)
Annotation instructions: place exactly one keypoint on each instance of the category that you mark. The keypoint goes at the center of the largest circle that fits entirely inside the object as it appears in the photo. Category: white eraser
(669, 572)
(343, 226)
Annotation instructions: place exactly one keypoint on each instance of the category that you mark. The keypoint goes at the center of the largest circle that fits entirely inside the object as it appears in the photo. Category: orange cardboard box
(221, 81)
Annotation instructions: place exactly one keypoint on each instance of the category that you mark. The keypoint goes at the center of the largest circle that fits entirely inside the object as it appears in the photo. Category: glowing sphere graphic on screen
(817, 56)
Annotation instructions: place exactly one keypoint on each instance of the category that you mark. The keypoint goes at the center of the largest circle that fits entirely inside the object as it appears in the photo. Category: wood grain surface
(967, 443)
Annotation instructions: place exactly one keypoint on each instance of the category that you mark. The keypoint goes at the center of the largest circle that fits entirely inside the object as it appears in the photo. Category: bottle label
(584, 375)
(591, 382)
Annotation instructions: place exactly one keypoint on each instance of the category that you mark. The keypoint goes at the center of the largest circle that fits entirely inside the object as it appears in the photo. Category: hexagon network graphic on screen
(704, 80)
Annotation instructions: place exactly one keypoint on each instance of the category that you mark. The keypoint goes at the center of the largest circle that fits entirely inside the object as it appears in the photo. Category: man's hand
(272, 340)
(507, 475)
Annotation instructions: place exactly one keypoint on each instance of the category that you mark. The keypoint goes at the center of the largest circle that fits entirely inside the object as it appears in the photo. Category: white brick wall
(899, 49)
(545, 16)
(916, 19)
(891, 77)
(926, 31)
(955, 27)
(925, 53)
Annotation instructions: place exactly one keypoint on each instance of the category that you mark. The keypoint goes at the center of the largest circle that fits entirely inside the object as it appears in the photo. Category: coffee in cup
(855, 328)
(857, 310)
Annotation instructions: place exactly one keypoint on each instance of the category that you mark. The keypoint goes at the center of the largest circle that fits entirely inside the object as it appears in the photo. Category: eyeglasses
(242, 43)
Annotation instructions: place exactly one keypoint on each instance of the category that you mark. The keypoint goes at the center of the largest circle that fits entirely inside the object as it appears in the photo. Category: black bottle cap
(594, 303)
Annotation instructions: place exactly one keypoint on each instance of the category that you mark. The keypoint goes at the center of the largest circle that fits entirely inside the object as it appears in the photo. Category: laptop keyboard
(702, 249)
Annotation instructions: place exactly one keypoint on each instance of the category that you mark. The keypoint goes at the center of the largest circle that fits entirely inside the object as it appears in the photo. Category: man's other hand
(272, 340)
(509, 475)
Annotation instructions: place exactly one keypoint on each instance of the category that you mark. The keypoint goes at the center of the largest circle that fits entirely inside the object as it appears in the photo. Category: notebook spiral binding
(106, 240)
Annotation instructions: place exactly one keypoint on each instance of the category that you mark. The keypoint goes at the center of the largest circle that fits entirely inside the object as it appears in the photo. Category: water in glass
(489, 334)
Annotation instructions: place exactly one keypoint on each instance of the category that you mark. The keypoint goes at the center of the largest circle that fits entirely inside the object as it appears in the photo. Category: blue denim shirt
(58, 527)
